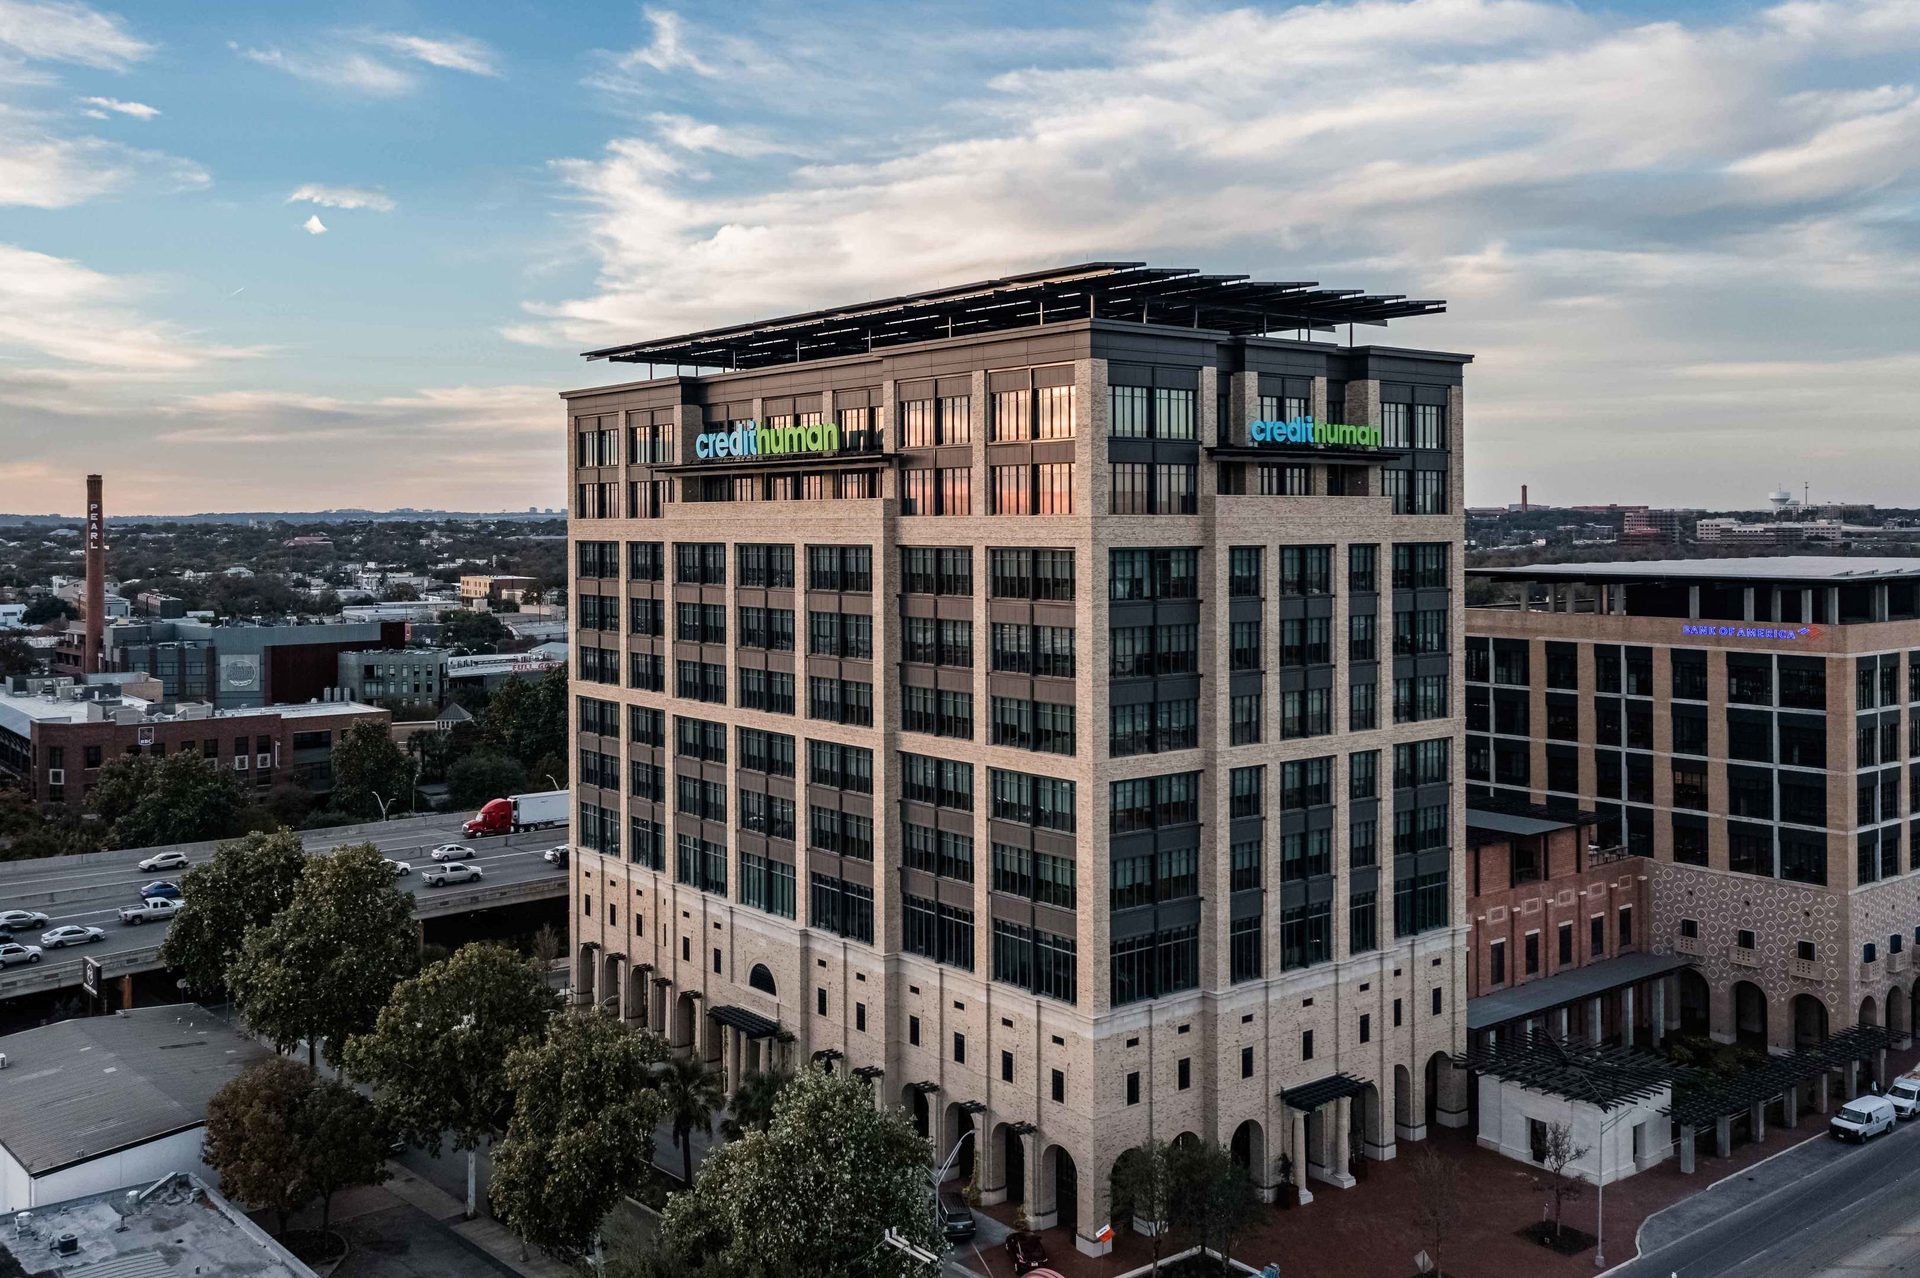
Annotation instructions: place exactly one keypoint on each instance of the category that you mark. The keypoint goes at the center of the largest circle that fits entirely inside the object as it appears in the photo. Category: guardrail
(33, 978)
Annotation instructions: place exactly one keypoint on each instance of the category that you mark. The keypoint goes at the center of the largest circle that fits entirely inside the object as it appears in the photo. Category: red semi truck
(518, 812)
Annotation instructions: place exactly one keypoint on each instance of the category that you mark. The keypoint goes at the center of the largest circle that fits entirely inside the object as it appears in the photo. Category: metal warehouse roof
(1179, 296)
(82, 1088)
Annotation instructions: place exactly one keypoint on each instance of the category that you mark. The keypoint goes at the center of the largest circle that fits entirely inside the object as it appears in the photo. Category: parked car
(1905, 1095)
(401, 869)
(162, 887)
(164, 861)
(956, 1218)
(1025, 1251)
(21, 920)
(440, 875)
(71, 934)
(155, 909)
(1863, 1118)
(556, 855)
(452, 852)
(11, 954)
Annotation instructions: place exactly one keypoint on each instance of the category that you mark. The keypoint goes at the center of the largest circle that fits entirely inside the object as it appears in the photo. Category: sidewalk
(485, 1233)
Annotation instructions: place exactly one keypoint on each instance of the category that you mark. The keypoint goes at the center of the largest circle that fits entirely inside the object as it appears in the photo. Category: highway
(90, 890)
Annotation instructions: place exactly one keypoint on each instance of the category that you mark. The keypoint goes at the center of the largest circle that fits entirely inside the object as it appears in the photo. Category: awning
(1535, 997)
(1311, 1096)
(752, 1024)
(1514, 823)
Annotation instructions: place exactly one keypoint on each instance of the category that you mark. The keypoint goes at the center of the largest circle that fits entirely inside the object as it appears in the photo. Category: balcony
(1897, 962)
(1804, 969)
(1691, 946)
(1740, 956)
(1870, 972)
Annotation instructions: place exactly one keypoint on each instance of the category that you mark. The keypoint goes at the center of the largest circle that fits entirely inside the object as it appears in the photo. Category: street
(90, 890)
(1819, 1210)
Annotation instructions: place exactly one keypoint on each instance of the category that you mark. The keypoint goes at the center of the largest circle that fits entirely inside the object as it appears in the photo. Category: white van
(1863, 1118)
(1905, 1095)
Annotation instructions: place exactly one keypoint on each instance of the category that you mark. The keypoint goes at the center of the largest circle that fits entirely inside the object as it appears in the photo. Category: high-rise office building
(1040, 697)
(1747, 725)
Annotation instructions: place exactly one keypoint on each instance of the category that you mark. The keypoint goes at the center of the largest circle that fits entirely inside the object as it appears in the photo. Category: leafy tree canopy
(366, 764)
(472, 631)
(324, 967)
(278, 1135)
(146, 801)
(248, 881)
(45, 609)
(809, 1196)
(582, 1129)
(479, 777)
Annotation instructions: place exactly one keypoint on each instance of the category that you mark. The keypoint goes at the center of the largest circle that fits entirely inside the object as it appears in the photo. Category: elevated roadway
(90, 889)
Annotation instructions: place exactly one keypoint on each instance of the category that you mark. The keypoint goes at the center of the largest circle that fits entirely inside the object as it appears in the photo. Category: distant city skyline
(349, 259)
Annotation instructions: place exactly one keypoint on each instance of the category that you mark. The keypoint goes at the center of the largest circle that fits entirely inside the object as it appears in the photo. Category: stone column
(1686, 1150)
(1297, 1144)
(1757, 1120)
(1450, 1109)
(1565, 1015)
(1790, 1106)
(733, 1058)
(1626, 1016)
(1593, 1020)
(1820, 1087)
(1342, 1136)
(1853, 1079)
(1880, 1067)
(1657, 1012)
(1723, 1137)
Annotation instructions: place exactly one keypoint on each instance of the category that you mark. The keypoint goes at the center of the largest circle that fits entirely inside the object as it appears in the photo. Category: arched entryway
(1897, 1013)
(1249, 1151)
(610, 988)
(956, 1124)
(1120, 1200)
(914, 1101)
(685, 1015)
(1010, 1151)
(1696, 1002)
(1869, 1012)
(1058, 1171)
(586, 974)
(1809, 1021)
(1370, 1135)
(1749, 1015)
(634, 1004)
(1403, 1106)
(1186, 1140)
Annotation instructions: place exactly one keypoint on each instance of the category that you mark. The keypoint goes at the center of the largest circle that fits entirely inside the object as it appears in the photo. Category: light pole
(1600, 1191)
(382, 802)
(555, 784)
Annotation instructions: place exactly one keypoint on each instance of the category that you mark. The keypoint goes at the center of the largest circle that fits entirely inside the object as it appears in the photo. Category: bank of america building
(1039, 697)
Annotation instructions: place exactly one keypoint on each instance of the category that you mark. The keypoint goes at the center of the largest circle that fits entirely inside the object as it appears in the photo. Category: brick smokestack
(96, 598)
(1523, 499)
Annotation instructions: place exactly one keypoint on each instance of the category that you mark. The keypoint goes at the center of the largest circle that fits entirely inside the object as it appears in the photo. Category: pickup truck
(157, 908)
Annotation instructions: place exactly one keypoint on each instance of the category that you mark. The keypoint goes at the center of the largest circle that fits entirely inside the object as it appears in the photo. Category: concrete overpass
(91, 888)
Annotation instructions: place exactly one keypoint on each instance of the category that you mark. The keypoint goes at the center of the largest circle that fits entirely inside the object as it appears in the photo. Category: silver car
(71, 934)
(440, 875)
(452, 852)
(164, 861)
(20, 920)
(11, 954)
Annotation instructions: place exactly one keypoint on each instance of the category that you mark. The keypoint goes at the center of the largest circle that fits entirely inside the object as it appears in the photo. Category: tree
(342, 1141)
(437, 1056)
(811, 1195)
(16, 657)
(253, 1137)
(753, 1103)
(324, 967)
(1558, 1154)
(144, 801)
(1143, 1179)
(469, 631)
(479, 777)
(45, 609)
(691, 1090)
(1212, 1196)
(248, 882)
(582, 1128)
(369, 768)
(527, 719)
(1436, 1201)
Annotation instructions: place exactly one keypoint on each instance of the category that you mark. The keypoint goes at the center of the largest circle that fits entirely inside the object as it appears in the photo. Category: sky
(277, 257)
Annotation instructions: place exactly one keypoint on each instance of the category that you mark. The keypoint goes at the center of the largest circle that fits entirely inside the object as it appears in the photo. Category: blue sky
(1680, 237)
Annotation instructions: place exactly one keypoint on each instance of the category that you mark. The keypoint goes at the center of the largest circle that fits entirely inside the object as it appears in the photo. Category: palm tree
(692, 1091)
(751, 1108)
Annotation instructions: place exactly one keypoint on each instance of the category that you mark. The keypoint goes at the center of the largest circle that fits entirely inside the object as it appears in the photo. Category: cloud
(516, 413)
(341, 69)
(47, 170)
(688, 134)
(454, 53)
(58, 32)
(101, 106)
(314, 226)
(55, 308)
(342, 197)
(668, 49)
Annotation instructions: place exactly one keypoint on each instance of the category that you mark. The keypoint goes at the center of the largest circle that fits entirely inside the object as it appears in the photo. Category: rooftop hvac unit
(22, 1224)
(67, 1244)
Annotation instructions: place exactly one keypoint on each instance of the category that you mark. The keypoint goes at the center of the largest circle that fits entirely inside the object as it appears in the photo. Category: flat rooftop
(1128, 291)
(1836, 570)
(175, 1227)
(86, 1087)
(20, 709)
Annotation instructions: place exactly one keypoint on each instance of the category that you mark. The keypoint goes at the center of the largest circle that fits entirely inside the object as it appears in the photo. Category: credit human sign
(1305, 430)
(751, 439)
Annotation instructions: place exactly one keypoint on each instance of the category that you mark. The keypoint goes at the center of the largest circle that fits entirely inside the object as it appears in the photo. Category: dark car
(160, 887)
(956, 1218)
(1025, 1251)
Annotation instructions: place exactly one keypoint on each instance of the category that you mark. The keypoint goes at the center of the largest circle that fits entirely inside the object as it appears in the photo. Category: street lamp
(1600, 1191)
(555, 784)
(382, 802)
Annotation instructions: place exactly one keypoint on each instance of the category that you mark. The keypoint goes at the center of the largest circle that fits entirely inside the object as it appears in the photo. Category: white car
(11, 954)
(556, 855)
(1905, 1095)
(400, 868)
(452, 852)
(71, 934)
(20, 920)
(441, 875)
(165, 861)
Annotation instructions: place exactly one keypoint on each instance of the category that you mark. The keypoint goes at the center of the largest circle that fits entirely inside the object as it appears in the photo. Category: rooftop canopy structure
(1130, 291)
